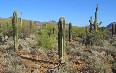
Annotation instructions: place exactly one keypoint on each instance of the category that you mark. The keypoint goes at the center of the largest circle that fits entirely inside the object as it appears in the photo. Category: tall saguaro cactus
(70, 32)
(61, 38)
(95, 22)
(15, 30)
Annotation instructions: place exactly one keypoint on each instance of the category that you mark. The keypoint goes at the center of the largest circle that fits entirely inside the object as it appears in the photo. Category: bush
(45, 38)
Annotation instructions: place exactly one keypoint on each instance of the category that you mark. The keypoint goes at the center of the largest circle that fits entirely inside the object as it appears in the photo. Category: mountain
(110, 25)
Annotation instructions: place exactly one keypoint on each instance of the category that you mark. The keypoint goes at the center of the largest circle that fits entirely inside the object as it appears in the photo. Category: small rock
(37, 66)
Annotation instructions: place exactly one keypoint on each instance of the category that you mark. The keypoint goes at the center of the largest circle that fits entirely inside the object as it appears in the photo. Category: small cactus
(15, 30)
(70, 32)
(61, 38)
(21, 19)
(30, 26)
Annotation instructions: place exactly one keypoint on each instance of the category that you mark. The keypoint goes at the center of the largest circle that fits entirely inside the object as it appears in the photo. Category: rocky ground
(79, 59)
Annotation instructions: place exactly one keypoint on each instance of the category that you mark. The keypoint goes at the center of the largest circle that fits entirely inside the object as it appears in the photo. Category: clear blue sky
(76, 11)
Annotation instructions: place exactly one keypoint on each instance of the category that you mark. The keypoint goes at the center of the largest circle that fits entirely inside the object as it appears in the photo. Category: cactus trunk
(15, 30)
(21, 19)
(61, 38)
(30, 26)
(95, 22)
(70, 32)
(53, 30)
(113, 29)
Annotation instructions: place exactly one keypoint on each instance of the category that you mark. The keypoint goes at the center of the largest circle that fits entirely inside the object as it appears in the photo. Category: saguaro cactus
(15, 30)
(21, 19)
(90, 24)
(70, 32)
(30, 26)
(61, 38)
(95, 22)
(113, 29)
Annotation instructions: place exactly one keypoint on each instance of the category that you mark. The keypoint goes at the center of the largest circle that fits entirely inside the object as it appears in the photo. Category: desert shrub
(114, 67)
(112, 41)
(114, 44)
(45, 38)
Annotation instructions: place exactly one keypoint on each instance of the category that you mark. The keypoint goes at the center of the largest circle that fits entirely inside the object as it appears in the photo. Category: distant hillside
(9, 20)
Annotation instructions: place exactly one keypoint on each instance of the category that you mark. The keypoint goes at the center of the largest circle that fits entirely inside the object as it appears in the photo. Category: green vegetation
(45, 37)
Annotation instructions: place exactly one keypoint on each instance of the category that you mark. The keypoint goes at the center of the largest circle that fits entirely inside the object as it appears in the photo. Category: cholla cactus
(70, 32)
(15, 30)
(61, 38)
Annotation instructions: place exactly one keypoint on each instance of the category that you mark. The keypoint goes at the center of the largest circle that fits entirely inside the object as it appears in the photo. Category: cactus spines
(70, 32)
(15, 30)
(90, 23)
(61, 38)
(21, 19)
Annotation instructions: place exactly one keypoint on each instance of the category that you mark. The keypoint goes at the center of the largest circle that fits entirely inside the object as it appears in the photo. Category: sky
(76, 11)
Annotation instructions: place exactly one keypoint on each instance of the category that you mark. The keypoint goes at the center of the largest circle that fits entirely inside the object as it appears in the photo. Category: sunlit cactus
(61, 38)
(70, 32)
(15, 29)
